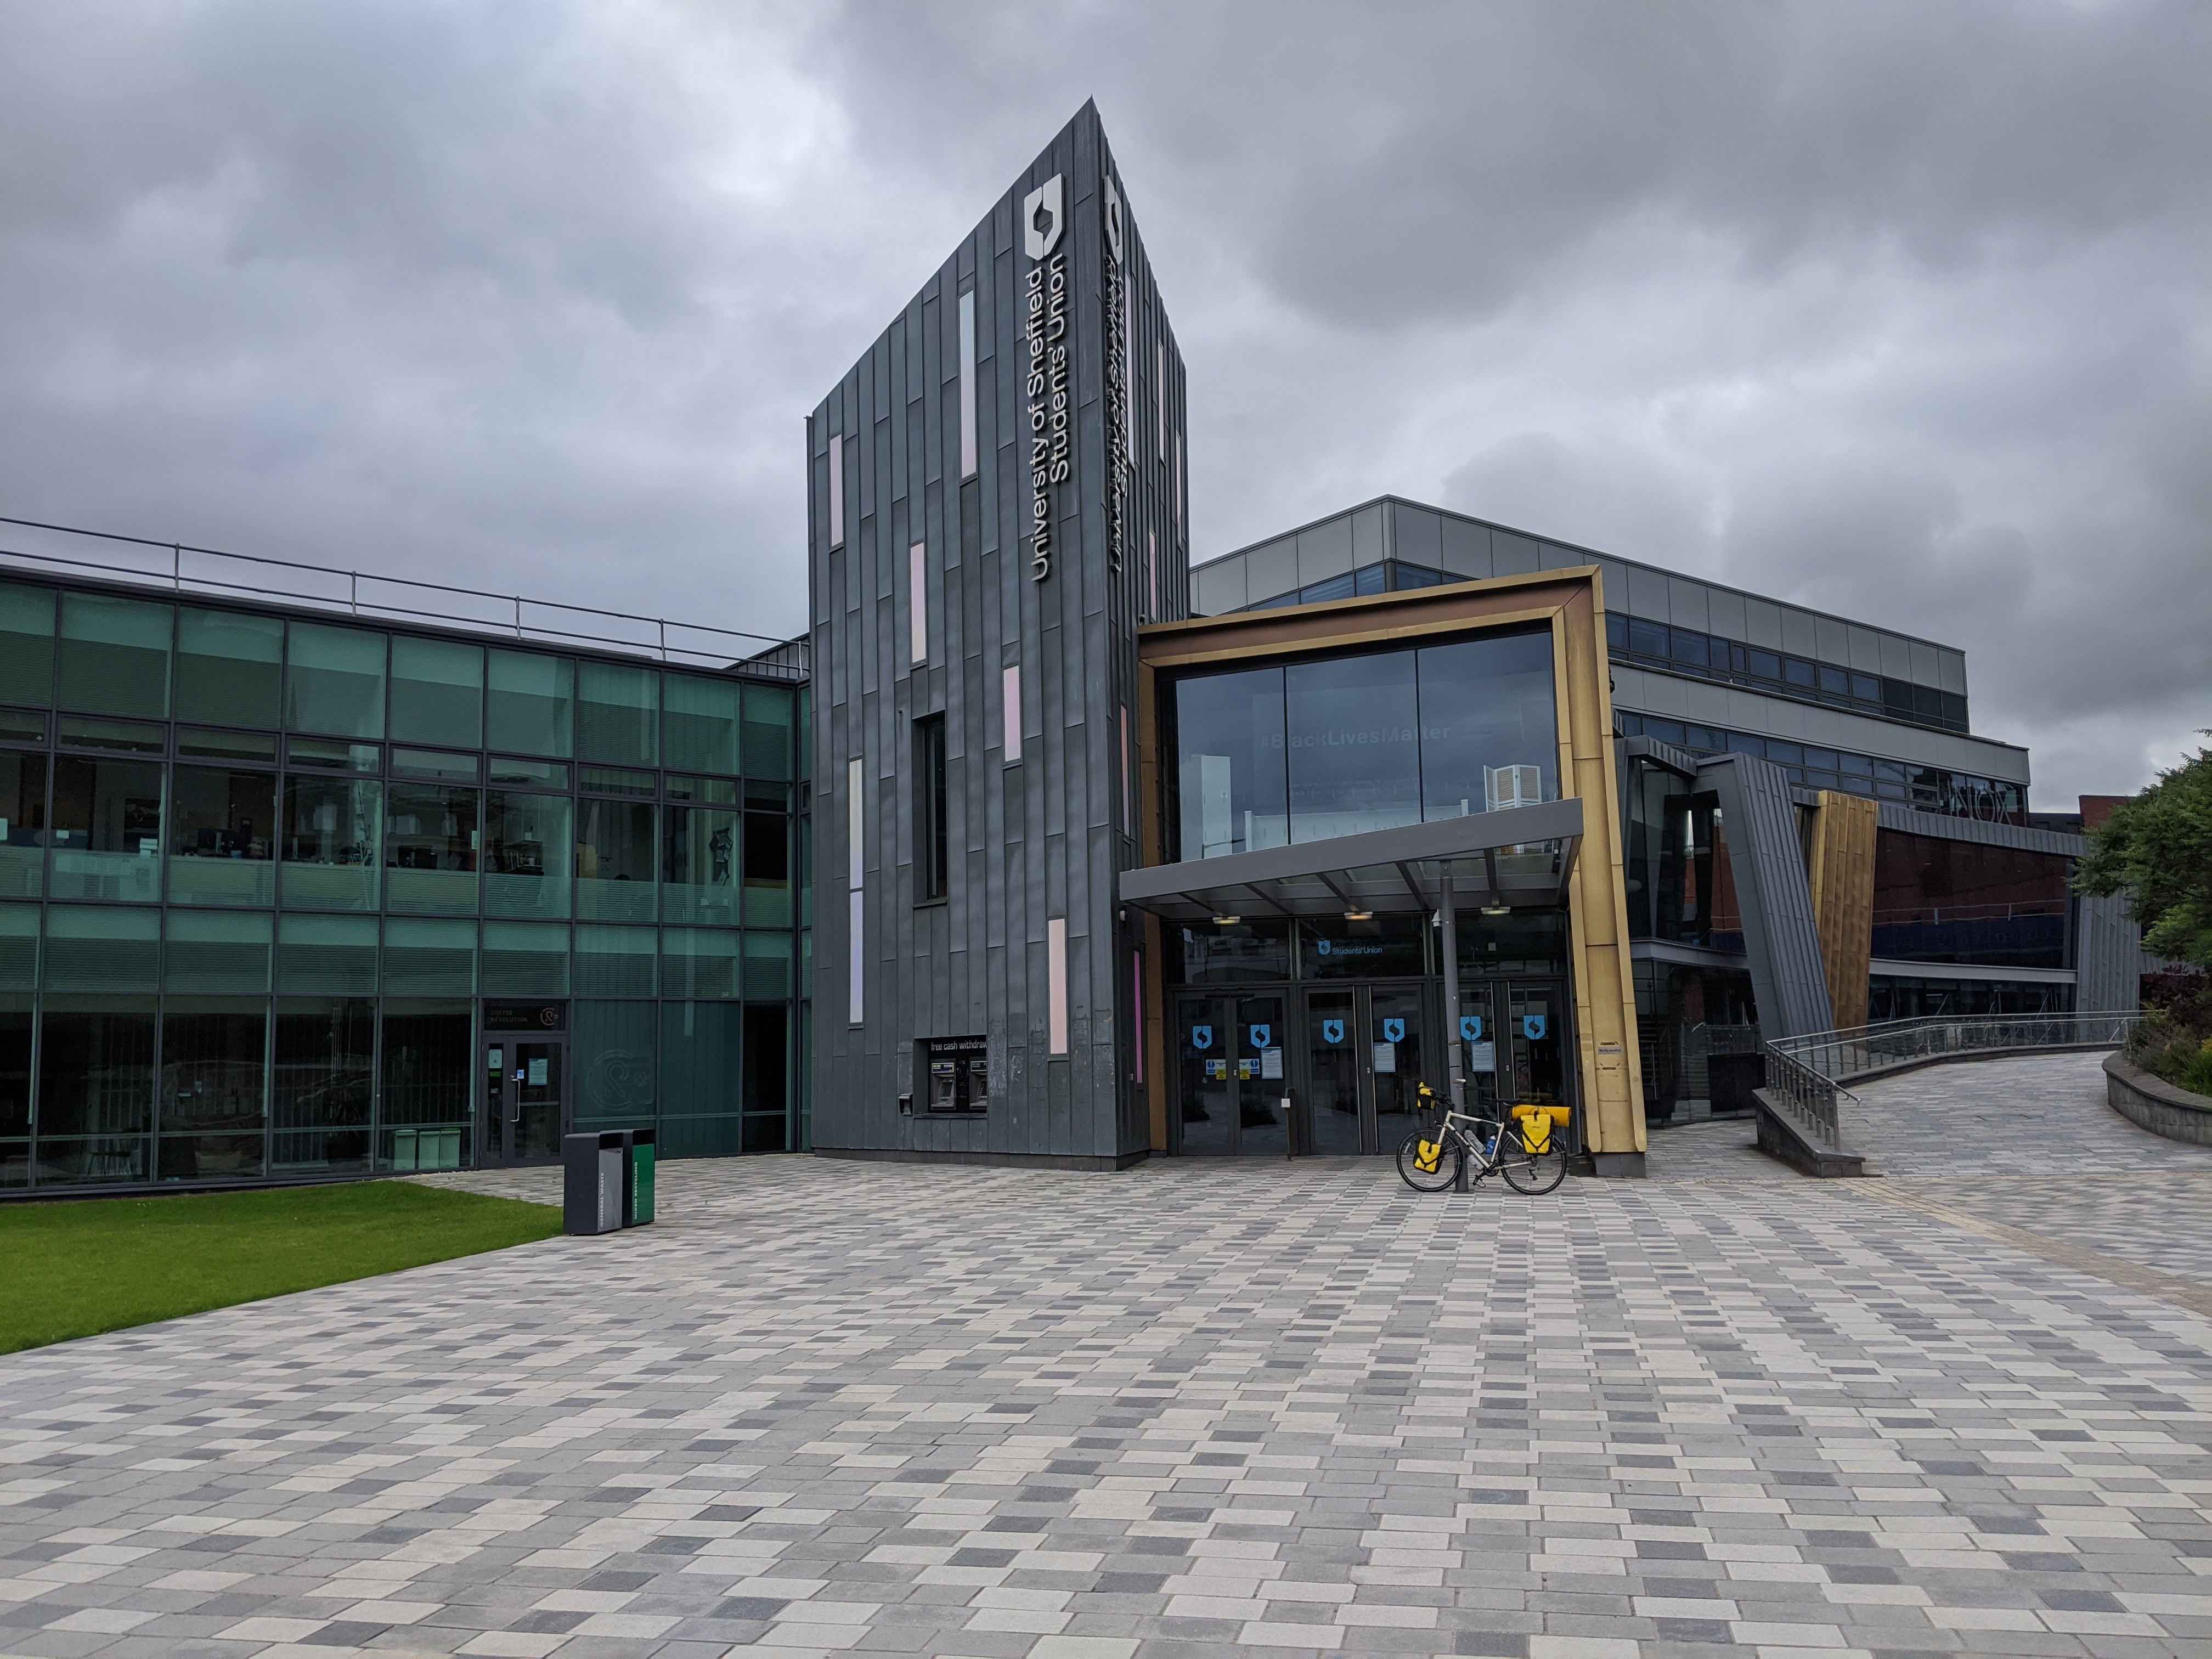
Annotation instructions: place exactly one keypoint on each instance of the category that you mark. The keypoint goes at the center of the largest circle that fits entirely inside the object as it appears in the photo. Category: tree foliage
(2157, 848)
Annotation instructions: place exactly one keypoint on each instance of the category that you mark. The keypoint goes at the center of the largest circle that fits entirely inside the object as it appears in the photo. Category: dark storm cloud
(1897, 310)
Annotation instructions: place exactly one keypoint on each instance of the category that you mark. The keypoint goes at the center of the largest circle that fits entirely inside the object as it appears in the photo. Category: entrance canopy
(1520, 855)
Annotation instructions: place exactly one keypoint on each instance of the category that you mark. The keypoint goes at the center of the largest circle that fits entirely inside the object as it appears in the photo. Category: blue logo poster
(1532, 1027)
(1470, 1027)
(1202, 1037)
(1394, 1030)
(1322, 945)
(1261, 1034)
(1332, 1030)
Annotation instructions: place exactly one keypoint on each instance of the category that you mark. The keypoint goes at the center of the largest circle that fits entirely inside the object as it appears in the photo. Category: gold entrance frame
(1570, 603)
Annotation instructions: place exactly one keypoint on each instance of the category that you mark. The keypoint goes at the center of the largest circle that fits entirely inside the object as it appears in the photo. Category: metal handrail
(516, 616)
(1843, 1054)
(1807, 1096)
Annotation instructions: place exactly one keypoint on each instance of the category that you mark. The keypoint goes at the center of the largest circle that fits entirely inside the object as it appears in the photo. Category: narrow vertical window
(836, 491)
(1178, 489)
(1055, 982)
(1151, 575)
(854, 861)
(1012, 711)
(968, 384)
(931, 853)
(1160, 397)
(1128, 810)
(1137, 1008)
(917, 577)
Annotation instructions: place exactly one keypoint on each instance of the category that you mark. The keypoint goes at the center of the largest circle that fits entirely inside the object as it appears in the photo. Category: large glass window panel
(334, 683)
(1489, 724)
(530, 844)
(334, 836)
(427, 957)
(700, 871)
(615, 1044)
(333, 954)
(217, 950)
(115, 655)
(322, 1083)
(532, 706)
(768, 1080)
(431, 837)
(1231, 781)
(102, 948)
(700, 727)
(767, 870)
(19, 947)
(15, 1025)
(107, 832)
(26, 644)
(429, 1074)
(767, 965)
(222, 837)
(702, 1078)
(22, 822)
(1354, 748)
(229, 667)
(618, 713)
(615, 843)
(213, 1094)
(437, 692)
(95, 1109)
(616, 962)
(769, 732)
(525, 958)
(699, 962)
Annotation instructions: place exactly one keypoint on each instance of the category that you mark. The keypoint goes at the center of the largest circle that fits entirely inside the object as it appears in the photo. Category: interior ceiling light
(1497, 907)
(1226, 921)
(1360, 915)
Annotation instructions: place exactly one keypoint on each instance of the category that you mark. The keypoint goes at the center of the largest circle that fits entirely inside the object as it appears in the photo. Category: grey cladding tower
(995, 502)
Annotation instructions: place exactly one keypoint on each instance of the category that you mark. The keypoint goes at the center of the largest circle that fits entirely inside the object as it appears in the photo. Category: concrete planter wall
(2155, 1104)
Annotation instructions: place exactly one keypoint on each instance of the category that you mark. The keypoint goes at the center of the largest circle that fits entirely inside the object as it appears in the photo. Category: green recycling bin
(637, 1190)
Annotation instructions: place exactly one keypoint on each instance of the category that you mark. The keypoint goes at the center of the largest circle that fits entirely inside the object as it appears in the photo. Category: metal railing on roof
(182, 567)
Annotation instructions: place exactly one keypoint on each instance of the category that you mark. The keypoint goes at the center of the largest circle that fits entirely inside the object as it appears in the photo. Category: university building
(1121, 855)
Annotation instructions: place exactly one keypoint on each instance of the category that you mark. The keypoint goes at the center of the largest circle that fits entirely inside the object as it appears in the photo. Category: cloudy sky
(1901, 310)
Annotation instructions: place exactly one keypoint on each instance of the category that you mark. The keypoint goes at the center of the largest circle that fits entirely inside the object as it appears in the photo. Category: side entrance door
(525, 1085)
(1514, 1040)
(1365, 1060)
(1231, 1081)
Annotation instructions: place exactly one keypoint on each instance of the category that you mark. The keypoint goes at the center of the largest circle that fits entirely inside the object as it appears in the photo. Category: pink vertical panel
(1128, 803)
(1137, 1006)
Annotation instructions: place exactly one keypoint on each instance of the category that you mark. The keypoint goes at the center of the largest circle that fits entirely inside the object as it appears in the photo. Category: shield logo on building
(1470, 1027)
(1113, 215)
(1394, 1030)
(1202, 1037)
(1261, 1034)
(1332, 1030)
(1322, 945)
(1532, 1027)
(1041, 218)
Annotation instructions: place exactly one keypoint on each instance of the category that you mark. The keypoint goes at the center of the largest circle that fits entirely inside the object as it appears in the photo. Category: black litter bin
(595, 1177)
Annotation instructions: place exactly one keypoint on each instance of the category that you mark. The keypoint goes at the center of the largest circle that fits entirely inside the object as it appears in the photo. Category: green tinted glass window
(335, 684)
(229, 667)
(767, 732)
(26, 644)
(699, 729)
(437, 692)
(532, 703)
(115, 655)
(618, 713)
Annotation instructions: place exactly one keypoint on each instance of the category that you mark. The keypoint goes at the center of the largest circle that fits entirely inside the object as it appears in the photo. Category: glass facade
(1345, 744)
(259, 874)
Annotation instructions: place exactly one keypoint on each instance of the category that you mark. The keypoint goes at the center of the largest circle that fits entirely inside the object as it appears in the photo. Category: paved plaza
(826, 1407)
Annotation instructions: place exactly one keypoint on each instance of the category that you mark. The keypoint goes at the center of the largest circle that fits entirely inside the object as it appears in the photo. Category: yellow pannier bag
(1425, 1155)
(1536, 1133)
(1560, 1114)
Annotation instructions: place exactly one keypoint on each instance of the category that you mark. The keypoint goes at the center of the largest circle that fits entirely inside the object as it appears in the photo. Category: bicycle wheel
(1440, 1178)
(1531, 1172)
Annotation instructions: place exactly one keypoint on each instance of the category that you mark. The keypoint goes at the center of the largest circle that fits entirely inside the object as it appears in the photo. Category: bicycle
(1531, 1153)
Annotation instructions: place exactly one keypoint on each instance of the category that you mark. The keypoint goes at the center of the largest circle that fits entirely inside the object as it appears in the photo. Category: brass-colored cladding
(1569, 602)
(1840, 869)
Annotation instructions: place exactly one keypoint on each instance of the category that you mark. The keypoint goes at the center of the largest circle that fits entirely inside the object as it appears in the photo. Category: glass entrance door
(1513, 1040)
(1365, 1063)
(526, 1097)
(1335, 1094)
(1230, 1080)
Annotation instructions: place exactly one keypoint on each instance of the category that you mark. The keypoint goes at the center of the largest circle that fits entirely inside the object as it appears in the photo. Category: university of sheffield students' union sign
(1044, 328)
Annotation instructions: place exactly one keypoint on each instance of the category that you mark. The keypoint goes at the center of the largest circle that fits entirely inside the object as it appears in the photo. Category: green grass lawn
(76, 1269)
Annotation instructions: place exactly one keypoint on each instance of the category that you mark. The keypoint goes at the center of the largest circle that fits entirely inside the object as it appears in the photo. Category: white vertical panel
(1055, 977)
(1128, 804)
(836, 491)
(1160, 393)
(1012, 700)
(1152, 575)
(854, 823)
(856, 1012)
(968, 384)
(917, 570)
(1178, 487)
